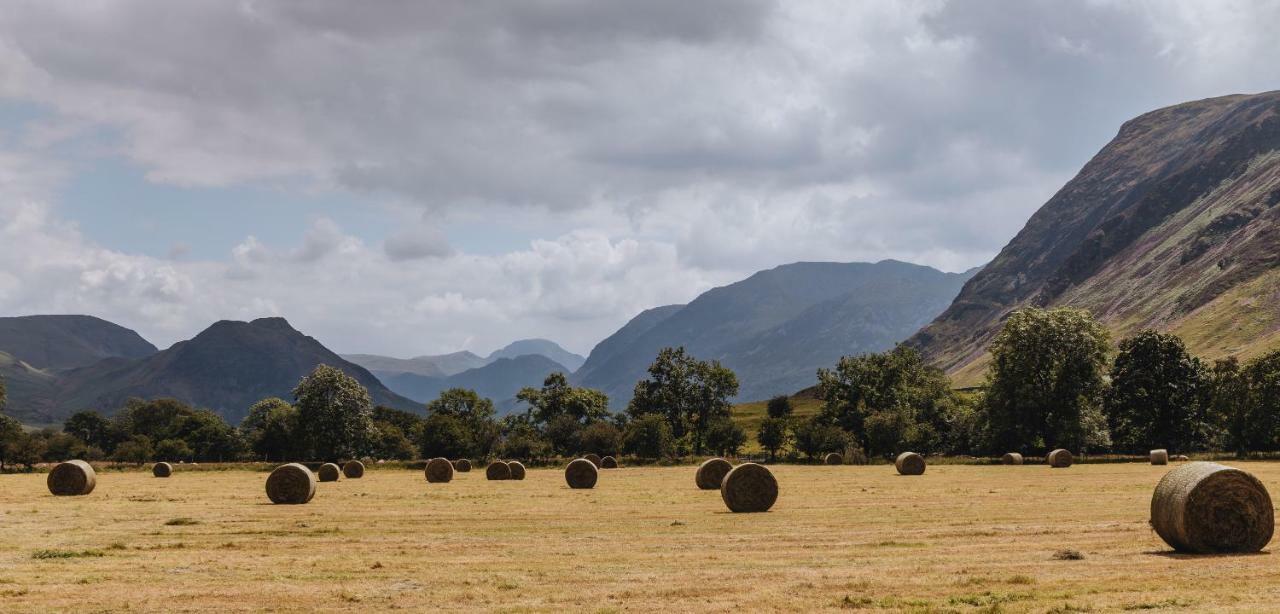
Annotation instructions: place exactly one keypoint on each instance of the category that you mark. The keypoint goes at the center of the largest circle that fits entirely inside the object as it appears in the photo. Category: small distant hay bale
(910, 463)
(162, 470)
(462, 465)
(833, 458)
(1182, 457)
(608, 462)
(328, 472)
(353, 469)
(711, 473)
(498, 470)
(581, 473)
(291, 484)
(1011, 458)
(439, 470)
(1159, 457)
(517, 470)
(749, 488)
(72, 478)
(1210, 508)
(594, 458)
(1060, 459)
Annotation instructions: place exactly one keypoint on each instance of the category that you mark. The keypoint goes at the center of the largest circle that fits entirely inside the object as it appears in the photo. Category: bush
(173, 450)
(444, 436)
(136, 450)
(725, 437)
(600, 437)
(779, 406)
(773, 436)
(648, 436)
(813, 437)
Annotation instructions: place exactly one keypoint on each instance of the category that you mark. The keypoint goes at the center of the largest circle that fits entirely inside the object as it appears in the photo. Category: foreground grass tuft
(67, 554)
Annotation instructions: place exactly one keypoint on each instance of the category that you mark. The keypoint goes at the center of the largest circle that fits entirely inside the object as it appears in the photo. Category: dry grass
(957, 539)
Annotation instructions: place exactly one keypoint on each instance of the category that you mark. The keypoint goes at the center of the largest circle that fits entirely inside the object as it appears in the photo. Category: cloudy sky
(407, 177)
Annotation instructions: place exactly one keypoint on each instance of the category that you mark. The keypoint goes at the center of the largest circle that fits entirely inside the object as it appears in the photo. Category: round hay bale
(462, 465)
(833, 458)
(328, 472)
(1182, 457)
(1159, 457)
(439, 470)
(353, 469)
(749, 488)
(608, 462)
(1060, 459)
(594, 458)
(1011, 458)
(517, 470)
(711, 473)
(910, 463)
(291, 484)
(74, 477)
(581, 473)
(1207, 508)
(162, 470)
(498, 470)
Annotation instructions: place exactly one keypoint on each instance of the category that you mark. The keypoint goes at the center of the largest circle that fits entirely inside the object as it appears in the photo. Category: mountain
(29, 390)
(226, 368)
(1174, 225)
(499, 380)
(68, 341)
(442, 365)
(777, 327)
(540, 347)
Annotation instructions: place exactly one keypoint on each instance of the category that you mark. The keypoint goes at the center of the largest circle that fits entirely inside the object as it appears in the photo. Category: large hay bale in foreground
(498, 470)
(749, 488)
(1060, 459)
(594, 458)
(608, 462)
(910, 463)
(439, 470)
(291, 484)
(328, 472)
(711, 473)
(462, 465)
(162, 470)
(1159, 457)
(74, 477)
(833, 458)
(1206, 508)
(581, 473)
(353, 469)
(1011, 458)
(517, 470)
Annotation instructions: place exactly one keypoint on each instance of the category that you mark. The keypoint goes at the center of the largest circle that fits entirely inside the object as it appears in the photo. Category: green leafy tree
(773, 436)
(648, 436)
(887, 401)
(60, 446)
(1045, 381)
(779, 406)
(815, 436)
(92, 428)
(725, 437)
(688, 392)
(335, 415)
(1247, 403)
(136, 450)
(564, 433)
(10, 433)
(476, 414)
(270, 428)
(1159, 395)
(444, 435)
(521, 440)
(173, 450)
(558, 398)
(1230, 409)
(407, 422)
(27, 450)
(391, 443)
(601, 438)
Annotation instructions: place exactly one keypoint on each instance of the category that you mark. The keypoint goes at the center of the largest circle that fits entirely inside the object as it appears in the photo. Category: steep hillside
(29, 391)
(777, 327)
(499, 380)
(66, 342)
(1173, 225)
(540, 347)
(226, 368)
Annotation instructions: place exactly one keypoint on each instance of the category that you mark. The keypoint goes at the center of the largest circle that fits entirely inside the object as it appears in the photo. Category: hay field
(959, 538)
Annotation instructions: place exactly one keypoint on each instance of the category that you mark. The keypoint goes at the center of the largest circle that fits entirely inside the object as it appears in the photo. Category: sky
(414, 177)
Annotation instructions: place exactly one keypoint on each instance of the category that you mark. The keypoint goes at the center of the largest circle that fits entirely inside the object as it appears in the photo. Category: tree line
(1053, 380)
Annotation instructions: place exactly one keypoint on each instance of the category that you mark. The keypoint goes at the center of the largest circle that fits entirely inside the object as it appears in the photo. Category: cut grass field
(957, 539)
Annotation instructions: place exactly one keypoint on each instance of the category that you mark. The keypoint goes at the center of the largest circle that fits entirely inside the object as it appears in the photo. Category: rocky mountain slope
(68, 341)
(499, 380)
(777, 327)
(1173, 225)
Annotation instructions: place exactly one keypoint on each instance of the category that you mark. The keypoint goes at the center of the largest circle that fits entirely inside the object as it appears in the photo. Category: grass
(957, 539)
(750, 415)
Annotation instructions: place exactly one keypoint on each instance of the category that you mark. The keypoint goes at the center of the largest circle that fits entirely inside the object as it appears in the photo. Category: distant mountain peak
(540, 347)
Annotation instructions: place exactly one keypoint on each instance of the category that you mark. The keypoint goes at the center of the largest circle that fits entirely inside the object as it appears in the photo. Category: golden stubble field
(959, 538)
